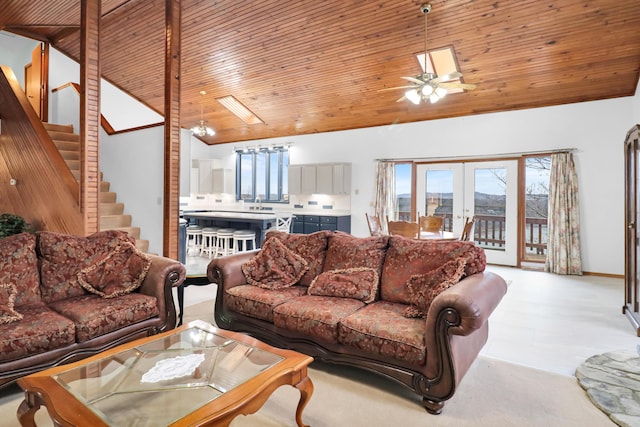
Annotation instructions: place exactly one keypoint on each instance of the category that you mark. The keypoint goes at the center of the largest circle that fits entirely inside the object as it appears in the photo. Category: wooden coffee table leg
(306, 390)
(28, 408)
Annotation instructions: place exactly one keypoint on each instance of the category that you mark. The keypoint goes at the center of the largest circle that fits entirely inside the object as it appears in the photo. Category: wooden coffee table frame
(247, 398)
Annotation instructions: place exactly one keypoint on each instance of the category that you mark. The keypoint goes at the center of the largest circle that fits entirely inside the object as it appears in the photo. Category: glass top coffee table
(194, 375)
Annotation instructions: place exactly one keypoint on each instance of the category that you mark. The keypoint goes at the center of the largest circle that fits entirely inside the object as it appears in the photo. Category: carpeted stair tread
(111, 208)
(64, 136)
(114, 221)
(108, 197)
(67, 145)
(70, 154)
(57, 127)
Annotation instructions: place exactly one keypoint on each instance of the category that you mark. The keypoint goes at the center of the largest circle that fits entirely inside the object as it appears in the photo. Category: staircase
(112, 216)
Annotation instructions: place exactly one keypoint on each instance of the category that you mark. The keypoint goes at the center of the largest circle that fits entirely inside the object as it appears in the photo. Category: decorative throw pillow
(407, 257)
(356, 283)
(347, 251)
(62, 256)
(19, 266)
(275, 266)
(7, 298)
(312, 247)
(424, 288)
(119, 273)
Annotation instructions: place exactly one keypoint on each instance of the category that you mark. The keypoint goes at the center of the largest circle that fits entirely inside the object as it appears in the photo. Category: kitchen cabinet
(341, 179)
(210, 177)
(324, 179)
(308, 180)
(295, 179)
(329, 178)
(222, 181)
(307, 224)
(302, 179)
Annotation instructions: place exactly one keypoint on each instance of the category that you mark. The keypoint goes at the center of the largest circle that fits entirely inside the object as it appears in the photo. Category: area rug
(612, 382)
(494, 393)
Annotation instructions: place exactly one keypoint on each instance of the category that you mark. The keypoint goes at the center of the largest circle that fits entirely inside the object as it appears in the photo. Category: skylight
(444, 62)
(237, 108)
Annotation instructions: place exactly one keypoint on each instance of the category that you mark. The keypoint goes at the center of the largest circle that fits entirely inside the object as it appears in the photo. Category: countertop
(260, 215)
(219, 210)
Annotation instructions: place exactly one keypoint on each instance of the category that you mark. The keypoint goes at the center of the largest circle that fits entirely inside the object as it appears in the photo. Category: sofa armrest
(226, 271)
(163, 275)
(473, 299)
(457, 327)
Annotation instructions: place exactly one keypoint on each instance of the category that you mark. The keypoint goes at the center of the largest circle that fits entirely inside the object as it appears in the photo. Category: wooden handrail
(489, 230)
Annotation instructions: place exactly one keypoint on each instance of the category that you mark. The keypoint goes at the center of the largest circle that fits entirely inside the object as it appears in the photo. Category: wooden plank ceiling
(317, 66)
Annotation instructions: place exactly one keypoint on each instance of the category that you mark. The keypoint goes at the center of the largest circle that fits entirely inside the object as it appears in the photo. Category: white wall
(15, 52)
(595, 129)
(133, 163)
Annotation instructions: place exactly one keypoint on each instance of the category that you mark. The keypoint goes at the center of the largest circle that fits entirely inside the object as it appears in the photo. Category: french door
(486, 190)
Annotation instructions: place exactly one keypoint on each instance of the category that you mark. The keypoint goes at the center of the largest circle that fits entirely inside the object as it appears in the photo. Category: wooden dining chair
(431, 223)
(375, 226)
(468, 227)
(403, 228)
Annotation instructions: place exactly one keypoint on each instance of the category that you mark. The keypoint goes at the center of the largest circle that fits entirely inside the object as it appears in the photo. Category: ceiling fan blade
(453, 85)
(451, 76)
(396, 87)
(413, 79)
(401, 98)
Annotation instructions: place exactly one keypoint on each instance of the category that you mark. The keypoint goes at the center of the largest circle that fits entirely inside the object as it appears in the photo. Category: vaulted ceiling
(317, 66)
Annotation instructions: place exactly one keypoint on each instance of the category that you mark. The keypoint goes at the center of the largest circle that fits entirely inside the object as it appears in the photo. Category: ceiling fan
(428, 85)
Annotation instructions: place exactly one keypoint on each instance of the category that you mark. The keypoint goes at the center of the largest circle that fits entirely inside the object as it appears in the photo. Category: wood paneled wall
(44, 188)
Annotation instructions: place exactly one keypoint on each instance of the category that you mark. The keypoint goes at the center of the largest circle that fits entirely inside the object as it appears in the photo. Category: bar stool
(242, 238)
(224, 241)
(194, 239)
(209, 237)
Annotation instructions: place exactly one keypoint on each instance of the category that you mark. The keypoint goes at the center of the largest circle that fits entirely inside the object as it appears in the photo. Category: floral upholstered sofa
(412, 310)
(64, 298)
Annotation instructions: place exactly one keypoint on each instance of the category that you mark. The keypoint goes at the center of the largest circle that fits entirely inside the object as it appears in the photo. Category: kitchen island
(258, 221)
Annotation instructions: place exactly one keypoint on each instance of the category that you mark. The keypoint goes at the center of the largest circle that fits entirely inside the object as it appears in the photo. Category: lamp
(201, 129)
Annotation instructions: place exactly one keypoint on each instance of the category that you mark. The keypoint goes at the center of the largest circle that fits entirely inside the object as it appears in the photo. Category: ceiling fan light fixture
(427, 90)
(413, 96)
(441, 92)
(440, 74)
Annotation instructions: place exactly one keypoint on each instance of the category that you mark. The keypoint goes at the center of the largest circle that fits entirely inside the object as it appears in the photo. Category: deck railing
(489, 231)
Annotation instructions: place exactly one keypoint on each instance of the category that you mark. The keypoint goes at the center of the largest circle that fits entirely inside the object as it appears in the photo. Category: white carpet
(493, 394)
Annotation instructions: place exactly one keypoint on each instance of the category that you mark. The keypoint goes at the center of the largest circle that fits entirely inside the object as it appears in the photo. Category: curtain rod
(488, 156)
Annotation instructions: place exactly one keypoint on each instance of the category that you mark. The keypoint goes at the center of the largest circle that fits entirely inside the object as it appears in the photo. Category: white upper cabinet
(326, 178)
(342, 178)
(308, 179)
(295, 179)
(222, 181)
(207, 177)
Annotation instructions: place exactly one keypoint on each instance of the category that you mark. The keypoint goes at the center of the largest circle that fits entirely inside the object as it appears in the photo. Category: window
(537, 173)
(262, 174)
(403, 202)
